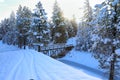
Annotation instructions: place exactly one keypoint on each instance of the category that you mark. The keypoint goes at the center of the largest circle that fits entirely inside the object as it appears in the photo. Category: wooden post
(39, 48)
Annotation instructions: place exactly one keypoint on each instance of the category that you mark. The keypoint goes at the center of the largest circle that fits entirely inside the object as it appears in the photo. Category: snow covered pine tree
(23, 23)
(40, 25)
(59, 31)
(106, 37)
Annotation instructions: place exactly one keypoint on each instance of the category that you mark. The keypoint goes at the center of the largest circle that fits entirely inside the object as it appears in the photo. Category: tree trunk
(24, 39)
(112, 68)
(113, 61)
(19, 42)
(39, 41)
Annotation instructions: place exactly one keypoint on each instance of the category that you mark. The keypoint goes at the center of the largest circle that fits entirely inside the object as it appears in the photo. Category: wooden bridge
(55, 49)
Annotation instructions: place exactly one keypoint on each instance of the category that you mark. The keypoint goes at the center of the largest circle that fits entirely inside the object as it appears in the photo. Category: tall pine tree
(59, 31)
(85, 29)
(23, 23)
(40, 25)
(11, 36)
(107, 37)
(5, 27)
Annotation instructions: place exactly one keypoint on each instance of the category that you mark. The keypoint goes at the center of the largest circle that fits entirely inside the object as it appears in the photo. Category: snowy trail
(85, 68)
(29, 64)
(26, 67)
(10, 64)
(55, 70)
(22, 62)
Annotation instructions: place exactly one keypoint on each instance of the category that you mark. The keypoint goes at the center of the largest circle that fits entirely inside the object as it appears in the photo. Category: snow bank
(84, 58)
(5, 47)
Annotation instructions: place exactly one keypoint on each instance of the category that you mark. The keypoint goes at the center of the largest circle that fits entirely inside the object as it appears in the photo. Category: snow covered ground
(16, 64)
(84, 60)
(5, 47)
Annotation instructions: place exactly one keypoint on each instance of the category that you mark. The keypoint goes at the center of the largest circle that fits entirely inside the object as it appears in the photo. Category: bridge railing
(54, 49)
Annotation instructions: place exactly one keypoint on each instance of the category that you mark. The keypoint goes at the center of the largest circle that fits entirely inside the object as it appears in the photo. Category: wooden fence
(54, 49)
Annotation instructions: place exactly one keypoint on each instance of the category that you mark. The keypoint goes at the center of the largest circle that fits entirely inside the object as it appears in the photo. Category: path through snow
(29, 64)
(16, 64)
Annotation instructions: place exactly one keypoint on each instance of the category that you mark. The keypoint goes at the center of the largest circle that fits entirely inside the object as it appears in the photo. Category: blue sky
(69, 7)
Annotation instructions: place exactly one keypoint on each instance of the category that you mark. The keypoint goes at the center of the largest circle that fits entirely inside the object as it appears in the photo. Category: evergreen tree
(4, 27)
(11, 36)
(59, 31)
(51, 25)
(74, 25)
(87, 17)
(71, 27)
(106, 37)
(40, 25)
(23, 23)
(85, 28)
(12, 21)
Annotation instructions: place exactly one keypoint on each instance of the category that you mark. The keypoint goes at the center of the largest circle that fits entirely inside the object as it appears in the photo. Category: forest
(98, 31)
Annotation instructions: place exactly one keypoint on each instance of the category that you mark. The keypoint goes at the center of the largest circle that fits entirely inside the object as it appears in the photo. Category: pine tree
(23, 23)
(40, 25)
(87, 17)
(71, 27)
(12, 21)
(107, 37)
(4, 27)
(83, 42)
(11, 36)
(59, 31)
(74, 25)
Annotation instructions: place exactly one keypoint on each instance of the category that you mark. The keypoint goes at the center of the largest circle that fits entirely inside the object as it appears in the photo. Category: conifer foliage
(40, 25)
(23, 22)
(59, 31)
(10, 37)
(106, 37)
(28, 27)
(85, 28)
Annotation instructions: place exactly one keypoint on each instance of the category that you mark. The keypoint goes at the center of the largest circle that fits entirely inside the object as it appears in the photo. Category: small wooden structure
(55, 49)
